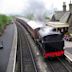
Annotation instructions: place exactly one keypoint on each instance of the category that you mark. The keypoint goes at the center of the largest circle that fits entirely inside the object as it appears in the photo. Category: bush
(4, 20)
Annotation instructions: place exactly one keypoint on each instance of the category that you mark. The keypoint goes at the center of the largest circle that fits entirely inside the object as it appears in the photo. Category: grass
(4, 20)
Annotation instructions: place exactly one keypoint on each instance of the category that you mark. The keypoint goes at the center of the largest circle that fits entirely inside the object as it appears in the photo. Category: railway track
(27, 62)
(59, 65)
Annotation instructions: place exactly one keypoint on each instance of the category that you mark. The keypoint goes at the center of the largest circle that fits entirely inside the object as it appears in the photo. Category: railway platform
(8, 53)
(68, 50)
(68, 44)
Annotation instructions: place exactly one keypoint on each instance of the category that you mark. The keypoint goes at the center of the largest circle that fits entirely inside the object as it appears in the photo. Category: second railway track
(60, 65)
(27, 62)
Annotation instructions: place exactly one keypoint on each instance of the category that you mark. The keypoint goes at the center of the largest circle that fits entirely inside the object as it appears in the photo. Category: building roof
(58, 15)
(53, 18)
(61, 16)
(70, 24)
(65, 17)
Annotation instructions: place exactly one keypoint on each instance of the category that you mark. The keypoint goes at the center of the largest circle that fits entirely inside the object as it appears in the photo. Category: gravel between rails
(27, 61)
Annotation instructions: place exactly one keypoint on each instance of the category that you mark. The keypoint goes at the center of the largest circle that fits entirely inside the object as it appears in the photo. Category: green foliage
(4, 20)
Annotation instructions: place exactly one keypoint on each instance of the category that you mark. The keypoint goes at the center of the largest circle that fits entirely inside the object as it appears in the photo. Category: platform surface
(68, 50)
(68, 44)
(6, 39)
(68, 54)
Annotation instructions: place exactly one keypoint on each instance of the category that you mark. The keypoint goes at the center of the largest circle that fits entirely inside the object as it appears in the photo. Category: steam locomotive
(49, 41)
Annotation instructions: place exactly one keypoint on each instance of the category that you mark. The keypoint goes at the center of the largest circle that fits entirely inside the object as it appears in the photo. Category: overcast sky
(18, 6)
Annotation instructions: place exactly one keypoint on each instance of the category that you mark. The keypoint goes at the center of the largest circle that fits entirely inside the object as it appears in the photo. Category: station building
(62, 20)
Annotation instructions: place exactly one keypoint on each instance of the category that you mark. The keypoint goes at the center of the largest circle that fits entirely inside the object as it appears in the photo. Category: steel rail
(64, 65)
(21, 66)
(68, 64)
(51, 66)
(31, 53)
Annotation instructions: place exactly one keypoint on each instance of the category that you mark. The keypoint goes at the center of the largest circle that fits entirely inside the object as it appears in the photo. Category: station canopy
(57, 24)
